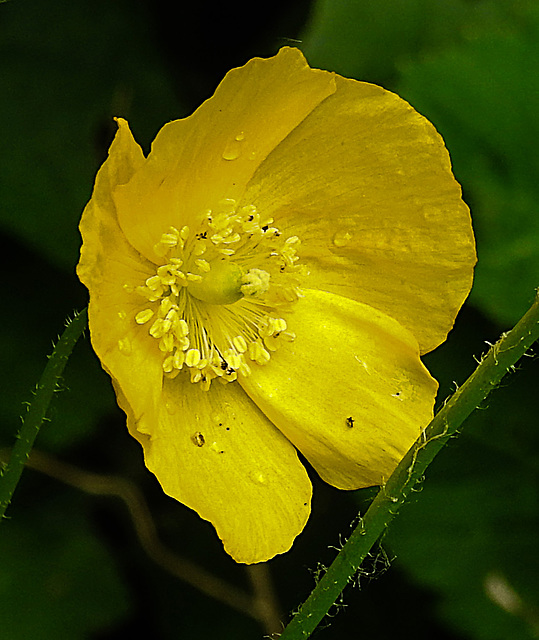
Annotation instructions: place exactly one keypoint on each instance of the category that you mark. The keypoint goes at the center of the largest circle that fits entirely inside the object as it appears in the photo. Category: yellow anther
(200, 248)
(230, 375)
(168, 364)
(196, 375)
(215, 296)
(154, 282)
(172, 316)
(166, 343)
(231, 238)
(203, 265)
(160, 327)
(182, 328)
(169, 239)
(165, 275)
(270, 326)
(202, 364)
(258, 353)
(233, 360)
(279, 325)
(143, 316)
(183, 343)
(240, 344)
(256, 282)
(178, 359)
(164, 307)
(192, 357)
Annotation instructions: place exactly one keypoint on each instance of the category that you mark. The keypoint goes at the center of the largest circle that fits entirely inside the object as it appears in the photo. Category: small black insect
(350, 422)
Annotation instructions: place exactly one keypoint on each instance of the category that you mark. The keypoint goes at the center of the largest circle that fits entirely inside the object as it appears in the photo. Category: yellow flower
(266, 280)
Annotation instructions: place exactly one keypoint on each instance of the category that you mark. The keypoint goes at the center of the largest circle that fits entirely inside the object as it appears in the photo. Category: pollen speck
(125, 347)
(342, 238)
(259, 478)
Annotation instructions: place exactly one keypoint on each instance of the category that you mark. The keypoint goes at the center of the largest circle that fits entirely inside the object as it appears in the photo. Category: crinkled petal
(212, 450)
(111, 269)
(215, 452)
(350, 392)
(211, 155)
(366, 183)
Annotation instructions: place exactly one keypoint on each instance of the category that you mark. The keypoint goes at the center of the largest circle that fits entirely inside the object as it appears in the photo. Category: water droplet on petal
(342, 238)
(234, 148)
(231, 153)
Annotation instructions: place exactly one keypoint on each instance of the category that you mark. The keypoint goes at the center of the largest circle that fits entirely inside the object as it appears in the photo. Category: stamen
(213, 314)
(143, 316)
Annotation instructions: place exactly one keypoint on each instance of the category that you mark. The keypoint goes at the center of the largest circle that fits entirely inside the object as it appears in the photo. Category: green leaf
(67, 68)
(483, 97)
(372, 40)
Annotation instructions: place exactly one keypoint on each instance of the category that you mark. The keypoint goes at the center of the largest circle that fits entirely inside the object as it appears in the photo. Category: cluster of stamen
(222, 337)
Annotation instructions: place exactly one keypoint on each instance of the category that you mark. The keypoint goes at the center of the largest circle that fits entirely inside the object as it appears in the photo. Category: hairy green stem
(37, 409)
(501, 358)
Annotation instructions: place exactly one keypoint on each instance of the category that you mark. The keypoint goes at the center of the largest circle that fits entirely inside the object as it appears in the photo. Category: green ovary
(221, 285)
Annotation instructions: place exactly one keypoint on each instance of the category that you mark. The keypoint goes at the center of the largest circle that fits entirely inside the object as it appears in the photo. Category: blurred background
(79, 556)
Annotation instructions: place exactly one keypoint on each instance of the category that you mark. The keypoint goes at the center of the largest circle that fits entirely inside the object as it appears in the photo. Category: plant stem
(37, 409)
(501, 358)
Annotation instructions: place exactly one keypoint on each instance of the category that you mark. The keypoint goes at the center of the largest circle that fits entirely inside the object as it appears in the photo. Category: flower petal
(111, 269)
(350, 392)
(366, 183)
(215, 452)
(211, 155)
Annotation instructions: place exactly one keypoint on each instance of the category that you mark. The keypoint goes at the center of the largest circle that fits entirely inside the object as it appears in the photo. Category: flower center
(216, 300)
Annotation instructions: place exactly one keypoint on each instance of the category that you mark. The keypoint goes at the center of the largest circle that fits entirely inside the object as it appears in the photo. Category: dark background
(461, 562)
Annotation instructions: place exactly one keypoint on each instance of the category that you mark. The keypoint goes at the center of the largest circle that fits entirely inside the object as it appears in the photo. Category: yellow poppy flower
(266, 280)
